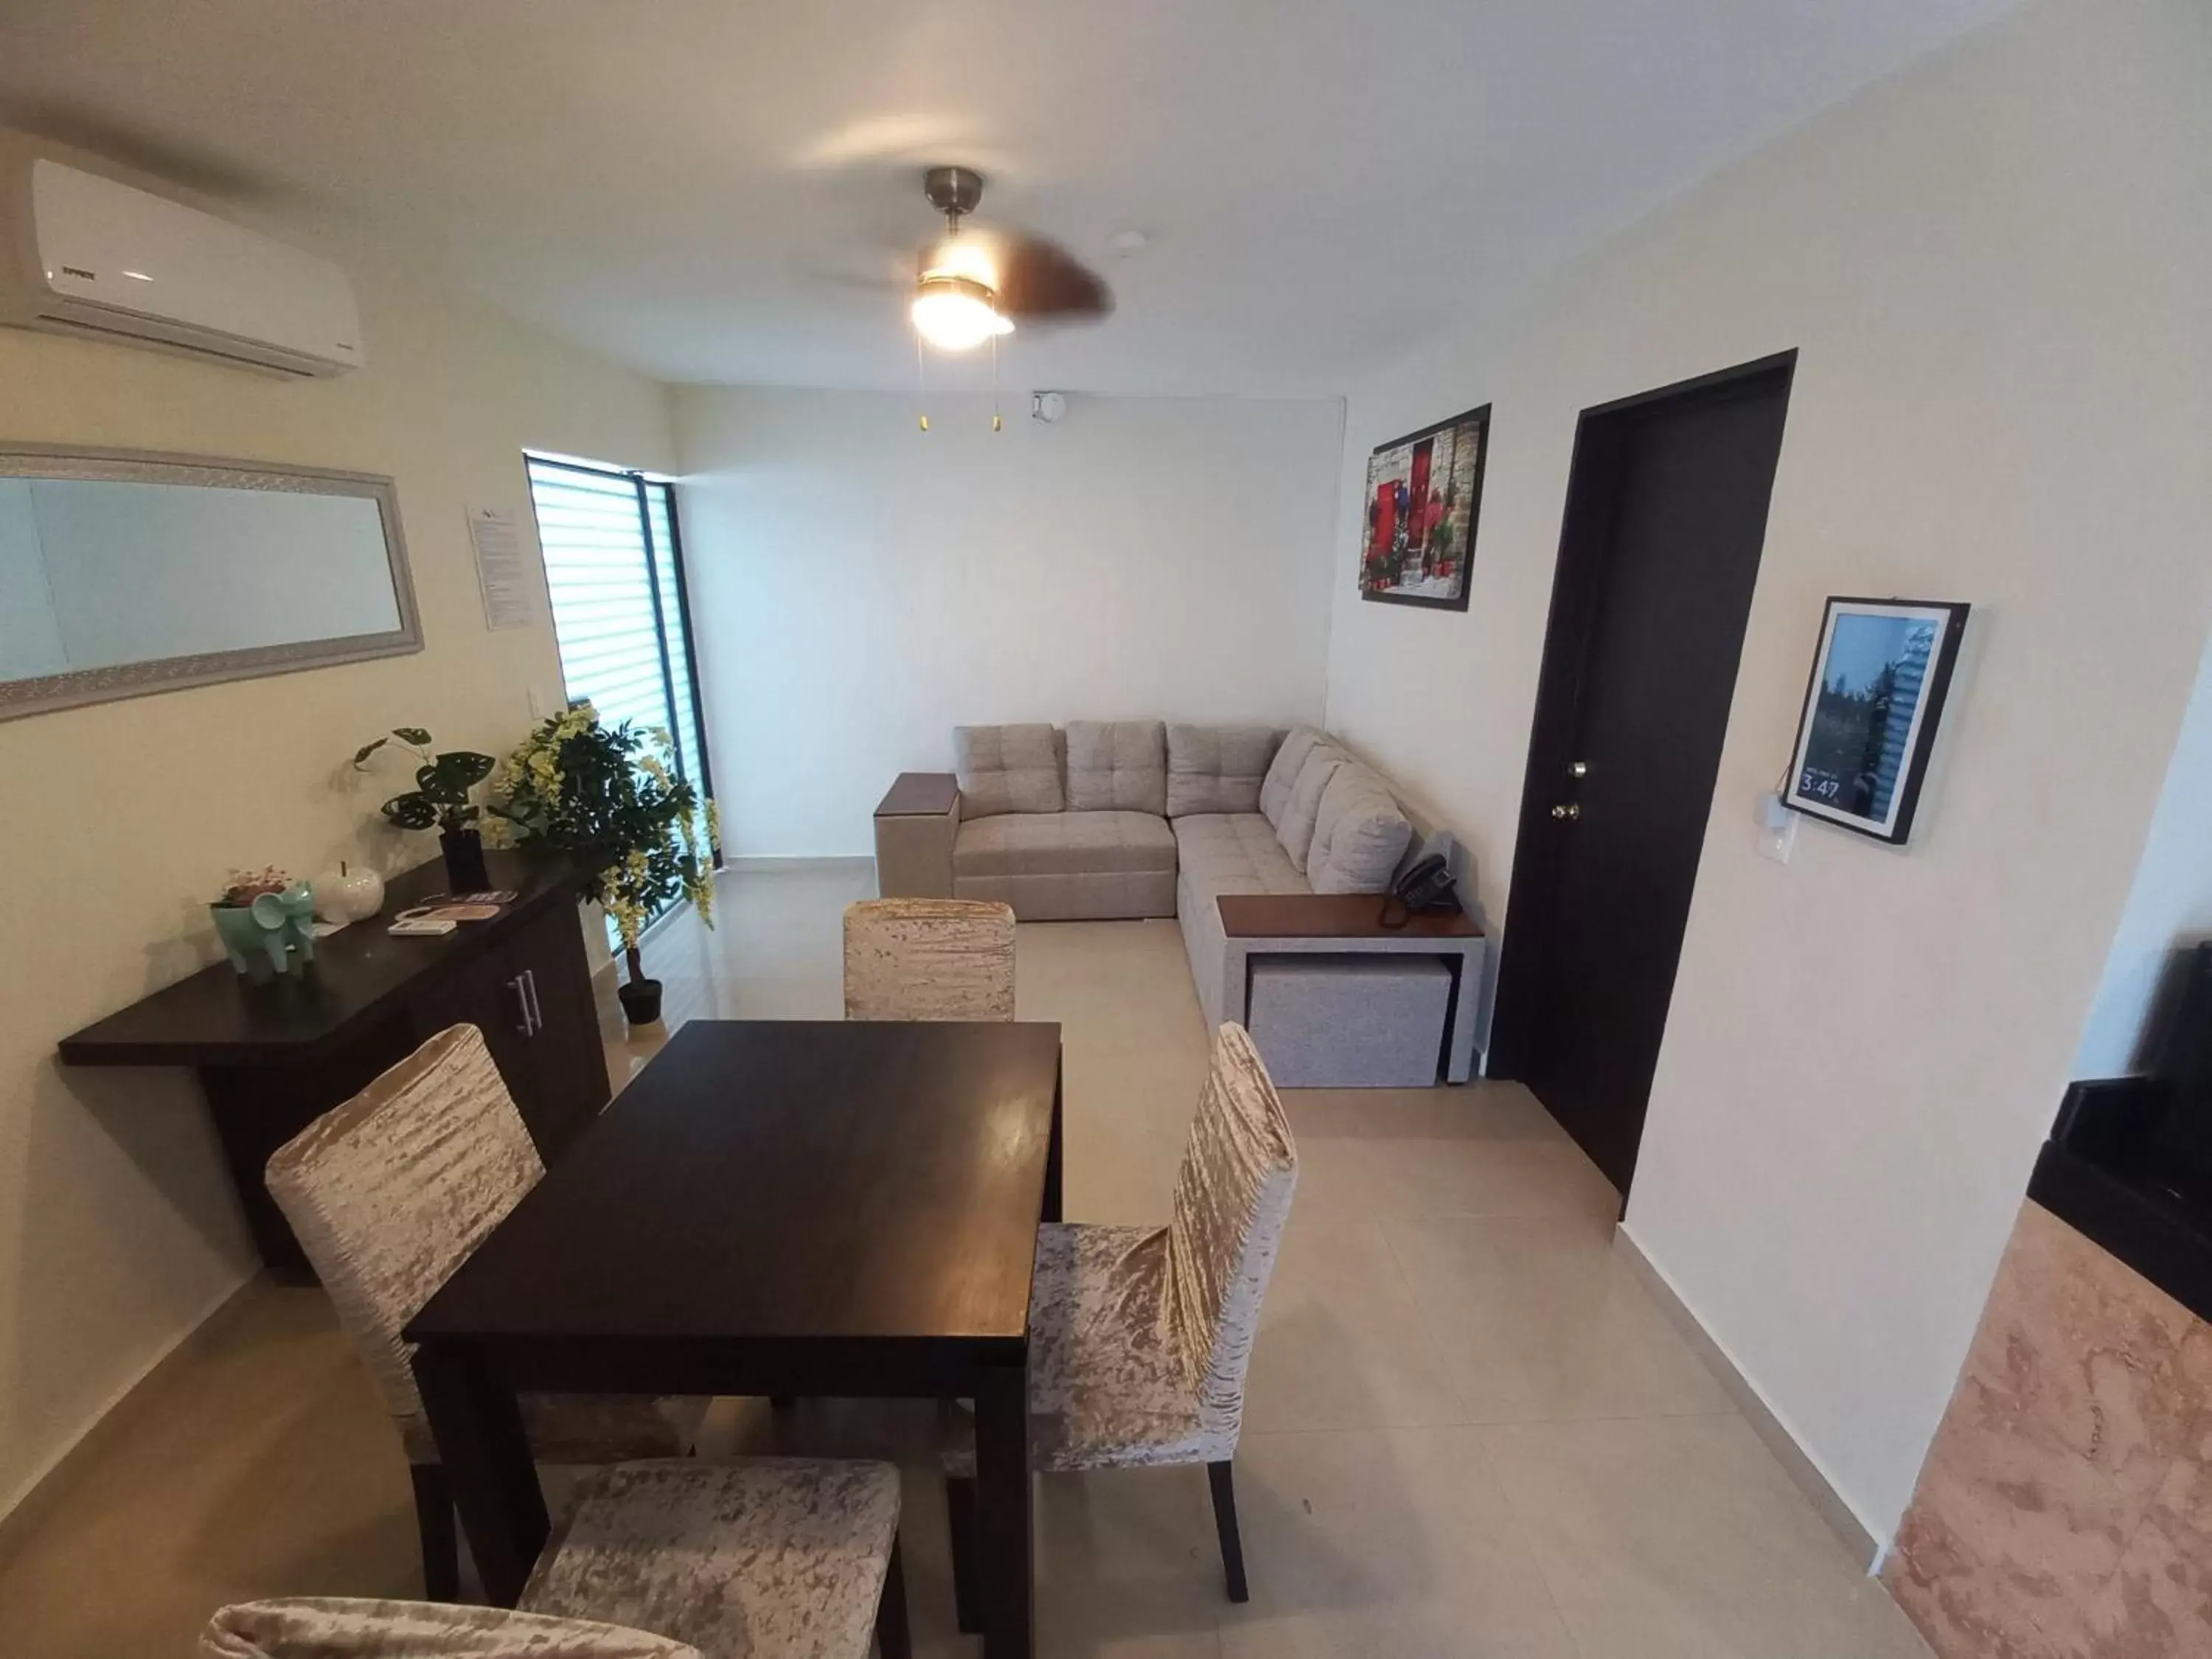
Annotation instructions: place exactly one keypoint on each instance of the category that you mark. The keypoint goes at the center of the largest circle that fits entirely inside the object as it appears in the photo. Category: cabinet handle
(522, 998)
(536, 1009)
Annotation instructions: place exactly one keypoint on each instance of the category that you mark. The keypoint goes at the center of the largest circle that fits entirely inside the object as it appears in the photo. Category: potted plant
(441, 798)
(609, 797)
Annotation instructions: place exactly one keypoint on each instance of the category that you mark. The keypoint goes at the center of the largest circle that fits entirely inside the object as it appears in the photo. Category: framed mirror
(123, 574)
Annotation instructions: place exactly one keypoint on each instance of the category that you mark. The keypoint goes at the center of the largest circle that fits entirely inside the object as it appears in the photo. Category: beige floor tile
(1478, 1111)
(262, 1464)
(1134, 1053)
(1342, 1342)
(1488, 1149)
(1682, 1538)
(1538, 1319)
(1388, 1544)
(1127, 1566)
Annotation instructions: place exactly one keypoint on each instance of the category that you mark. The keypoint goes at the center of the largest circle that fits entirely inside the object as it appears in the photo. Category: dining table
(775, 1208)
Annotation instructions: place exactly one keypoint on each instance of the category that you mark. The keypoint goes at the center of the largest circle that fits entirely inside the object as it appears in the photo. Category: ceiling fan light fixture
(958, 314)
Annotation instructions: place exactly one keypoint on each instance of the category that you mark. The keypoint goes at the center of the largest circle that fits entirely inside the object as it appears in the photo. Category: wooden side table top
(919, 795)
(1334, 915)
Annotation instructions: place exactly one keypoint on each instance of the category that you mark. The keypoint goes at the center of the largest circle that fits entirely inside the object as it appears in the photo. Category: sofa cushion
(1283, 772)
(1217, 769)
(1233, 853)
(1063, 844)
(1295, 828)
(1007, 769)
(1117, 766)
(1360, 835)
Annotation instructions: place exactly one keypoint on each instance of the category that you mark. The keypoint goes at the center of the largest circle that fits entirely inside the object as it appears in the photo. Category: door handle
(522, 1001)
(537, 1008)
(1570, 811)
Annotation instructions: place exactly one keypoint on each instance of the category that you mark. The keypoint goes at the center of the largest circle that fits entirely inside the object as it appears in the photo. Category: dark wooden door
(1666, 516)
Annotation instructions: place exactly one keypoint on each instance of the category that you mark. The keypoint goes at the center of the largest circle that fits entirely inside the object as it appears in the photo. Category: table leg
(1052, 1153)
(477, 1425)
(1003, 1493)
(1459, 1064)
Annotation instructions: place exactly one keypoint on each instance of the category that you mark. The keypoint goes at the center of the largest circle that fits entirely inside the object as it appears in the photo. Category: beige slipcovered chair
(763, 1558)
(387, 1194)
(919, 958)
(1139, 1336)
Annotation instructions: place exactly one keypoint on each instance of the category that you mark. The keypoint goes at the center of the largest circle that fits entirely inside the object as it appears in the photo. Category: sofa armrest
(915, 824)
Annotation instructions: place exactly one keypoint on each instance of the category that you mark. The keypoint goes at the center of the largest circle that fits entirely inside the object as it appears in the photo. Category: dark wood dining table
(773, 1208)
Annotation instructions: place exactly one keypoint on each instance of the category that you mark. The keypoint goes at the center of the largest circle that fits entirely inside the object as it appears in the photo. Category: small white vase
(347, 894)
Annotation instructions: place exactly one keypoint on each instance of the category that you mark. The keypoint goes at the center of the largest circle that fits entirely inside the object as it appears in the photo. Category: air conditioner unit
(84, 255)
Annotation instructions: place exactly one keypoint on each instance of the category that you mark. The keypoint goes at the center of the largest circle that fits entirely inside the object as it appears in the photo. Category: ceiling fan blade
(1039, 279)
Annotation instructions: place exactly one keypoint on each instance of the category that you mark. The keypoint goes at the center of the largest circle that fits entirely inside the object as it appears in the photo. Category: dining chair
(1139, 1336)
(388, 1194)
(916, 958)
(677, 1559)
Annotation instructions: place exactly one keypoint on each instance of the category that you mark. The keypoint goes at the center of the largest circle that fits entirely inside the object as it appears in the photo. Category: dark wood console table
(272, 1057)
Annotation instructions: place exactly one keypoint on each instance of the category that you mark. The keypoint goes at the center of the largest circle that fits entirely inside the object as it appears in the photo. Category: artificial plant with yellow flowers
(611, 797)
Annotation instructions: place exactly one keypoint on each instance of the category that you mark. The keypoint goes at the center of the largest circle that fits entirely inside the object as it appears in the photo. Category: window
(614, 570)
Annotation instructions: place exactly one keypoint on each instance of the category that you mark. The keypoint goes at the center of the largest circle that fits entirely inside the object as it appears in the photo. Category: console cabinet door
(568, 1063)
(489, 993)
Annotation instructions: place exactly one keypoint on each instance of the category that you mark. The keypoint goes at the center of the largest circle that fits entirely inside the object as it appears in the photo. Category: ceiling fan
(975, 285)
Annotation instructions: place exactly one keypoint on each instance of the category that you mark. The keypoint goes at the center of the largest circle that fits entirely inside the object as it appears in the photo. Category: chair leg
(960, 1521)
(893, 1640)
(1224, 1522)
(441, 1542)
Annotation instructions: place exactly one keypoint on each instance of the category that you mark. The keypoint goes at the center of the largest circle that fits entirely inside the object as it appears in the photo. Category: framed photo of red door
(1424, 495)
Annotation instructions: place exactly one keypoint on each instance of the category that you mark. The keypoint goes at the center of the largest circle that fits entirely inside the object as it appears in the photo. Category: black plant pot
(465, 865)
(641, 1000)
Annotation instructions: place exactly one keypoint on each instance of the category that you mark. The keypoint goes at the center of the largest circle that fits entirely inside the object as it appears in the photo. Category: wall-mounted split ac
(84, 255)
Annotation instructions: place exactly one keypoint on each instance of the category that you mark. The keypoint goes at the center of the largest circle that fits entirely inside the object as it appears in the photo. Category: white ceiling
(708, 189)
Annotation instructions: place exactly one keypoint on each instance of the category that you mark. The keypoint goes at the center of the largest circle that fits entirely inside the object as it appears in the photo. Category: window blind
(614, 572)
(611, 569)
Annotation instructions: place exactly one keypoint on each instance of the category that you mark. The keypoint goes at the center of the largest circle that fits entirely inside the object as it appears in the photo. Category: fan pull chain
(997, 425)
(921, 380)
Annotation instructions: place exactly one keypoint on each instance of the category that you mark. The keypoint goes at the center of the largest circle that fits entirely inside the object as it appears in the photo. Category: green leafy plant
(609, 797)
(440, 798)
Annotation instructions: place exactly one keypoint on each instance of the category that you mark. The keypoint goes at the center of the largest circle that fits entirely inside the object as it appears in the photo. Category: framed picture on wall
(1871, 708)
(1424, 493)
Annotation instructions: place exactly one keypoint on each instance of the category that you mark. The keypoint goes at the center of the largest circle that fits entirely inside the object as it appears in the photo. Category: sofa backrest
(1360, 833)
(1007, 769)
(1117, 766)
(1283, 771)
(1217, 769)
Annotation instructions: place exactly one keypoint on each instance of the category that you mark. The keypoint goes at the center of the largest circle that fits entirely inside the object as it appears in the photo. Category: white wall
(1995, 267)
(2169, 907)
(859, 587)
(117, 821)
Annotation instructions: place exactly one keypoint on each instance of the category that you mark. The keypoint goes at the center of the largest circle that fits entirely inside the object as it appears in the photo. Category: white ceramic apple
(346, 894)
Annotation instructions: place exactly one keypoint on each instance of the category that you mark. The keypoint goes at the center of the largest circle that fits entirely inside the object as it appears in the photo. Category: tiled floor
(1470, 1433)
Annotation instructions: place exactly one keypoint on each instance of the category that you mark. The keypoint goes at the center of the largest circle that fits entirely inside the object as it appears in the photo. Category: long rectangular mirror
(123, 574)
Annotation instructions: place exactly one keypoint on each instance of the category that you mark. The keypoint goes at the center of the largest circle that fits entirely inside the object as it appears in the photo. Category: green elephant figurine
(276, 928)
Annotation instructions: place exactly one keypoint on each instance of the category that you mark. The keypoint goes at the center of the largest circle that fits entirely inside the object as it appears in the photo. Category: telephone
(1426, 885)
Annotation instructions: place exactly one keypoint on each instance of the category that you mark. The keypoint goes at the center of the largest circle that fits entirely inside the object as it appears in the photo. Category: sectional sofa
(1130, 818)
